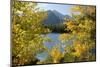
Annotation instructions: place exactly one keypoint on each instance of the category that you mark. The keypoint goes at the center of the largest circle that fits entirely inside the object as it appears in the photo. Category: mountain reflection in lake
(49, 45)
(55, 39)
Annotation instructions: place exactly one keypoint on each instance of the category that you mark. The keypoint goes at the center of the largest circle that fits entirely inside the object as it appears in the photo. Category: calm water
(49, 45)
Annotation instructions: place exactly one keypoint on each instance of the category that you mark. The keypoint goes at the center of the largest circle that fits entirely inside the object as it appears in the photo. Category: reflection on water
(55, 40)
(49, 45)
(42, 56)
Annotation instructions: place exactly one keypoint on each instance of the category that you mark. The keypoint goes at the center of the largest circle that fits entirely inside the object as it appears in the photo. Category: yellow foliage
(56, 54)
(64, 37)
(80, 49)
(26, 23)
(70, 25)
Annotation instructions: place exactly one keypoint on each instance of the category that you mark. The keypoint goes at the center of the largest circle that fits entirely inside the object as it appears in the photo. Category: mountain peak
(54, 17)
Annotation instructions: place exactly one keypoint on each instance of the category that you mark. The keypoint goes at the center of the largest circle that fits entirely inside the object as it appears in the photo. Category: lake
(49, 45)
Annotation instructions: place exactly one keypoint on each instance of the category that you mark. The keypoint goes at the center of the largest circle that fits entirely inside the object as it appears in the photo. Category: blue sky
(62, 8)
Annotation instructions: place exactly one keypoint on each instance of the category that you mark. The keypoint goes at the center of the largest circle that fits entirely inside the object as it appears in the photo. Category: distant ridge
(55, 17)
(55, 20)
